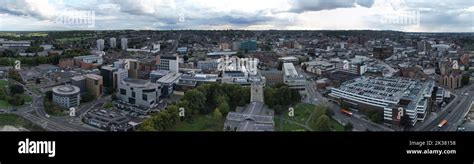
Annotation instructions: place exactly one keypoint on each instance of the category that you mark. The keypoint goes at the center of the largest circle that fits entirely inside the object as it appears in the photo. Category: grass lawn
(4, 105)
(336, 126)
(3, 83)
(287, 126)
(302, 113)
(201, 123)
(13, 120)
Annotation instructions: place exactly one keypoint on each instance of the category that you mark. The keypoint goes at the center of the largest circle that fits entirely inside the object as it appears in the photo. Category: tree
(13, 74)
(16, 89)
(348, 127)
(322, 124)
(217, 115)
(224, 108)
(269, 96)
(17, 100)
(196, 100)
(147, 125)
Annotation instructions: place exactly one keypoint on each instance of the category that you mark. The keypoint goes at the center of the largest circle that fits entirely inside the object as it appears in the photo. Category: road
(357, 120)
(454, 112)
(36, 114)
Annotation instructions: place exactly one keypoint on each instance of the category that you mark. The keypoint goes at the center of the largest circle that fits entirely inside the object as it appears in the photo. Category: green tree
(16, 89)
(196, 100)
(147, 125)
(348, 127)
(13, 74)
(269, 96)
(217, 115)
(322, 124)
(224, 108)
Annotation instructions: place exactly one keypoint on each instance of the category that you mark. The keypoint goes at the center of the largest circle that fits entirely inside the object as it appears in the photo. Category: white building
(67, 96)
(387, 94)
(118, 76)
(168, 63)
(139, 93)
(113, 43)
(124, 43)
(100, 44)
(292, 78)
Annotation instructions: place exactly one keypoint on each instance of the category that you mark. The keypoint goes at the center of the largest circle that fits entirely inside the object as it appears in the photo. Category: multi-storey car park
(392, 96)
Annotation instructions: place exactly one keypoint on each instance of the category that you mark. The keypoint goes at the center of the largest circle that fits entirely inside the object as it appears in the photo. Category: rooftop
(66, 89)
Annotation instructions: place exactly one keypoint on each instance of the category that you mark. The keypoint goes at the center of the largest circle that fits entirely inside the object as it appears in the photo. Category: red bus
(442, 123)
(346, 112)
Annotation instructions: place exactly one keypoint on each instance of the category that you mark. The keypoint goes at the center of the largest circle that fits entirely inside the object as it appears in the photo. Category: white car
(47, 115)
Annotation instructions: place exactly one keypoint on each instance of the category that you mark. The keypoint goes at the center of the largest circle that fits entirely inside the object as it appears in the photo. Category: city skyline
(396, 15)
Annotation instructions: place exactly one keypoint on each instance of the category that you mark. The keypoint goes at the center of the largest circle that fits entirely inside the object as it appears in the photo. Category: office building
(139, 93)
(66, 96)
(250, 45)
(134, 68)
(292, 78)
(107, 73)
(94, 85)
(168, 82)
(118, 76)
(168, 63)
(80, 82)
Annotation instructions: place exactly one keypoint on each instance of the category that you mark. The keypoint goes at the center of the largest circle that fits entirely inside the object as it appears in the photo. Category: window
(123, 91)
(144, 97)
(133, 94)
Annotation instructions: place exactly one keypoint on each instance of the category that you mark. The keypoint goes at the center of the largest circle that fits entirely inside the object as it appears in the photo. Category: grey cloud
(300, 6)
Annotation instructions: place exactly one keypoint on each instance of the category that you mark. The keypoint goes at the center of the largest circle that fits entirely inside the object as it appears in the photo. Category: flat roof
(169, 78)
(289, 69)
(66, 89)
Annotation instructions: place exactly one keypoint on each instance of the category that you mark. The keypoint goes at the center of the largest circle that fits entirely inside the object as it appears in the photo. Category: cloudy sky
(401, 15)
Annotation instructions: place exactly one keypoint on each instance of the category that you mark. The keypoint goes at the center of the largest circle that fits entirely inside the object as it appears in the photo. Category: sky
(399, 15)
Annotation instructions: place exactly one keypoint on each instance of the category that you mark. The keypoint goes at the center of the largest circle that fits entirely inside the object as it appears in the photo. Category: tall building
(113, 42)
(250, 45)
(138, 92)
(107, 73)
(66, 96)
(100, 44)
(124, 43)
(119, 75)
(168, 63)
(80, 82)
(134, 66)
(94, 85)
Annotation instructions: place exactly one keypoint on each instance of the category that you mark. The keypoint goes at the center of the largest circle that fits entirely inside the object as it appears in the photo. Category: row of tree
(321, 120)
(280, 97)
(37, 60)
(14, 94)
(215, 99)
